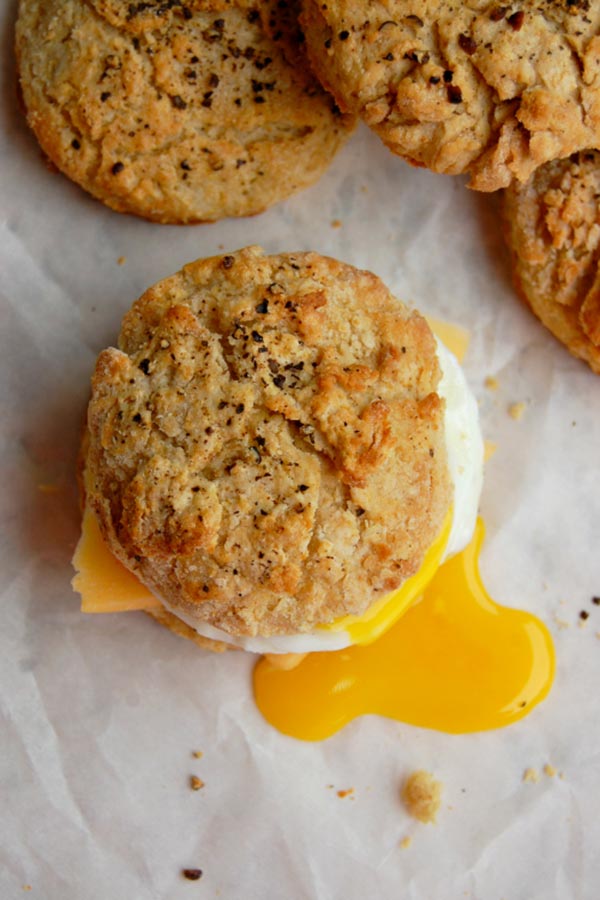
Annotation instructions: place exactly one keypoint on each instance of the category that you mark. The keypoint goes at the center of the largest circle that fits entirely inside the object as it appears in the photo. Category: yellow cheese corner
(104, 583)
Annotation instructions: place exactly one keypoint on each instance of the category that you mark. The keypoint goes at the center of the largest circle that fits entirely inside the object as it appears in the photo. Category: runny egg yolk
(456, 662)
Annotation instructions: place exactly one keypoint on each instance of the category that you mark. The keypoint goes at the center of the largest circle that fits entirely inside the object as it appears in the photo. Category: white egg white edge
(464, 445)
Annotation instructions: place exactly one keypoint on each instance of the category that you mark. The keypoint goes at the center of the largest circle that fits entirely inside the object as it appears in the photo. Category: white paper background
(99, 715)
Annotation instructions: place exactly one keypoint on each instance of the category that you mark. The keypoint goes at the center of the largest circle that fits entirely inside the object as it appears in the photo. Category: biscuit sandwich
(277, 450)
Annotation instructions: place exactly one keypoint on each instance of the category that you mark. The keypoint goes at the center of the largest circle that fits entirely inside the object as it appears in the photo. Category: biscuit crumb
(549, 770)
(491, 383)
(336, 223)
(26, 887)
(405, 843)
(422, 795)
(196, 783)
(192, 874)
(516, 411)
(531, 776)
(489, 448)
(121, 260)
(560, 622)
(347, 793)
(197, 754)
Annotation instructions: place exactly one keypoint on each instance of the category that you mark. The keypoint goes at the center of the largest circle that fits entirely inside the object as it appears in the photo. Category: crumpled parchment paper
(100, 715)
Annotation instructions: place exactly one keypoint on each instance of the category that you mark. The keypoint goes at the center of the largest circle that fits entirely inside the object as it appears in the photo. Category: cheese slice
(455, 338)
(104, 583)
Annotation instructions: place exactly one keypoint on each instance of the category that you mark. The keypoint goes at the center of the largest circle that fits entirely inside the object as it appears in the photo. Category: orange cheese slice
(104, 583)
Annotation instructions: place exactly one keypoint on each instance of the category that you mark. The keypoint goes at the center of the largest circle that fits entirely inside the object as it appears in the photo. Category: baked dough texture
(486, 88)
(552, 228)
(177, 112)
(266, 448)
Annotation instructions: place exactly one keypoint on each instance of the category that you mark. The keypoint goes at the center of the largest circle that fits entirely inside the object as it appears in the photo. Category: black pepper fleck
(145, 366)
(75, 144)
(118, 167)
(584, 614)
(344, 35)
(466, 43)
(516, 20)
(454, 94)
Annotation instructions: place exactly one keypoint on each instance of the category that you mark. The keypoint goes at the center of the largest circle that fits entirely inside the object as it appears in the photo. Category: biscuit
(266, 448)
(485, 88)
(176, 112)
(552, 228)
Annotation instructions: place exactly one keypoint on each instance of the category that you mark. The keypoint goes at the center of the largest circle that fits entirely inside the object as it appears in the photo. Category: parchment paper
(100, 715)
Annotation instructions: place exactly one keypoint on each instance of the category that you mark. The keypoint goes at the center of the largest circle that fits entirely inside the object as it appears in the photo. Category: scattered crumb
(48, 488)
(330, 786)
(596, 601)
(531, 776)
(598, 635)
(489, 448)
(192, 874)
(26, 887)
(347, 793)
(196, 783)
(491, 383)
(336, 223)
(549, 770)
(560, 622)
(422, 795)
(405, 843)
(516, 410)
(561, 775)
(121, 260)
(197, 754)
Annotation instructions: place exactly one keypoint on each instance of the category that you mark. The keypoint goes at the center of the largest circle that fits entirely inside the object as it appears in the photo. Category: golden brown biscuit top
(480, 87)
(176, 112)
(553, 231)
(266, 448)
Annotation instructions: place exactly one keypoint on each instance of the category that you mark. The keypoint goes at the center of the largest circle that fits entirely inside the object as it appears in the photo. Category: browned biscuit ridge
(266, 450)
(177, 112)
(552, 228)
(485, 88)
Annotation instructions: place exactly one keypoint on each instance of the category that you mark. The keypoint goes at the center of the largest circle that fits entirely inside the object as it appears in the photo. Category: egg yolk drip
(382, 614)
(456, 662)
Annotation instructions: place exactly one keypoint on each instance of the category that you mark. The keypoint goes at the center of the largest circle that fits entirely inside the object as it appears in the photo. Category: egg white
(464, 445)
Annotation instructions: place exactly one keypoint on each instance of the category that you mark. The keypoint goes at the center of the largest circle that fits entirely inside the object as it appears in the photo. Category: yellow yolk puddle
(455, 662)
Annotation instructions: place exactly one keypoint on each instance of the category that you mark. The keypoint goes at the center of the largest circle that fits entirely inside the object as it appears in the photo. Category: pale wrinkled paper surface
(100, 715)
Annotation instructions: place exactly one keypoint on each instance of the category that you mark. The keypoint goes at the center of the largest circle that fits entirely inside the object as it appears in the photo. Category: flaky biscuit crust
(480, 87)
(176, 112)
(552, 228)
(266, 447)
